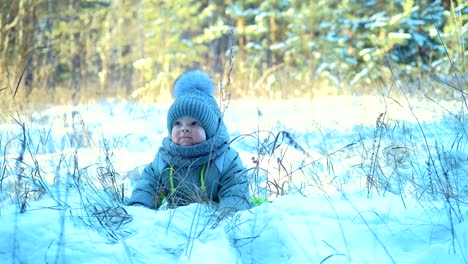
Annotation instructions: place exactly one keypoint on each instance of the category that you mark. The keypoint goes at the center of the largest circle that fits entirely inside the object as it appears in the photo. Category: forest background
(75, 51)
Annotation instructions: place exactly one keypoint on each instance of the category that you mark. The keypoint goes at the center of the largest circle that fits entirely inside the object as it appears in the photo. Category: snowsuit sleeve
(234, 189)
(147, 186)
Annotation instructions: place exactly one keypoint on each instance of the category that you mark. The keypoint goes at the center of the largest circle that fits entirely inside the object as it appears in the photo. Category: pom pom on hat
(194, 97)
(191, 81)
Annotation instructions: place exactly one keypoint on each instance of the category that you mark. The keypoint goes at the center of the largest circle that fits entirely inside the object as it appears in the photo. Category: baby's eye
(176, 123)
(195, 123)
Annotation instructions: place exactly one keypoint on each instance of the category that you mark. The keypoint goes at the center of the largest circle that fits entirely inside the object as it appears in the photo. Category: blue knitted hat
(194, 97)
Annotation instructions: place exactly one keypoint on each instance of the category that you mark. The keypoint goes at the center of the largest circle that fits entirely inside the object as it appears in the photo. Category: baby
(195, 163)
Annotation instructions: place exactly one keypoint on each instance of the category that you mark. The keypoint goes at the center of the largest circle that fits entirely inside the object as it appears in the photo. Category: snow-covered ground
(351, 180)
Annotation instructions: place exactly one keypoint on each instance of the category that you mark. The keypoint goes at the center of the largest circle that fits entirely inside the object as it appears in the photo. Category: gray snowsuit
(210, 171)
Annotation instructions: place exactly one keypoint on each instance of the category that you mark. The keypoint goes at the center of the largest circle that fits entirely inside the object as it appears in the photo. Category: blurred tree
(83, 48)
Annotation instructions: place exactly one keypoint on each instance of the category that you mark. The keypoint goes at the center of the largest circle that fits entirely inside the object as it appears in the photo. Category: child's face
(187, 131)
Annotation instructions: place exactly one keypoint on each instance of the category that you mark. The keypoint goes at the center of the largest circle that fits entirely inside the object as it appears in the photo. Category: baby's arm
(145, 189)
(234, 191)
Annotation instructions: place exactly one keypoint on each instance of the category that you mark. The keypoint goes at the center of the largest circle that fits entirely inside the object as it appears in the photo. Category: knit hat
(194, 97)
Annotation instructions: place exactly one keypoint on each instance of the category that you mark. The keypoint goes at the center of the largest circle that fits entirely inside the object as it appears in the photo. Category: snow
(316, 154)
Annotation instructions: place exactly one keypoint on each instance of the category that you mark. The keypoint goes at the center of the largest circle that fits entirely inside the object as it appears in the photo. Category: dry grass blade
(107, 219)
(459, 85)
(330, 256)
(22, 74)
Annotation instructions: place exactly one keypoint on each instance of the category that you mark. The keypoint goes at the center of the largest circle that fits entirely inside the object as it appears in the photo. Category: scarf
(195, 155)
